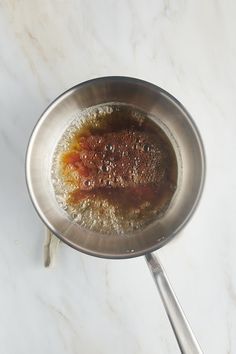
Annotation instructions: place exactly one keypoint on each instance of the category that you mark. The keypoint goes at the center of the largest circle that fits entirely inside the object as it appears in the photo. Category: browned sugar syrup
(115, 170)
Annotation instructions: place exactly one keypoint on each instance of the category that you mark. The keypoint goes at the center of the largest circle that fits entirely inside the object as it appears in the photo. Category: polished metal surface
(183, 333)
(166, 111)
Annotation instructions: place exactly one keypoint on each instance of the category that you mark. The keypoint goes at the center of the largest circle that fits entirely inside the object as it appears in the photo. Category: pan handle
(51, 243)
(183, 333)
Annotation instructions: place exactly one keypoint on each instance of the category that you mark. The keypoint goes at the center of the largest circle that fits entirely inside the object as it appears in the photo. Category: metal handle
(183, 333)
(51, 243)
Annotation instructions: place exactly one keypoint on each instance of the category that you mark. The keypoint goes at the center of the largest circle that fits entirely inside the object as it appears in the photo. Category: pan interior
(166, 112)
(129, 174)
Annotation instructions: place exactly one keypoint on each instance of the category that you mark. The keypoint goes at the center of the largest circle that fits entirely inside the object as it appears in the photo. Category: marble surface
(86, 305)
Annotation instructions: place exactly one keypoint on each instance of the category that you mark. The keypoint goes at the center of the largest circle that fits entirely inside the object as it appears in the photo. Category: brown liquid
(119, 161)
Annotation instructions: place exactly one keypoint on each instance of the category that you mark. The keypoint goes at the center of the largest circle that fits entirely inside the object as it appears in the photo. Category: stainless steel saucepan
(166, 111)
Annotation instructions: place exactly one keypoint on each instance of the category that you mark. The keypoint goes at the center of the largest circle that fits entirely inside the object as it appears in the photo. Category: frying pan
(167, 112)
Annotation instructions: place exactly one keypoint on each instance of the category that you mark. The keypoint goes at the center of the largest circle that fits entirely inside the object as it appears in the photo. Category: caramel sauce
(128, 162)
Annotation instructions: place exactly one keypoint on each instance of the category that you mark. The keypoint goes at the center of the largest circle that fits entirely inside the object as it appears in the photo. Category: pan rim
(42, 215)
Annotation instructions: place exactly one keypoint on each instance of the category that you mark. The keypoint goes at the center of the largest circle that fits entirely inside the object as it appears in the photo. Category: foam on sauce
(114, 171)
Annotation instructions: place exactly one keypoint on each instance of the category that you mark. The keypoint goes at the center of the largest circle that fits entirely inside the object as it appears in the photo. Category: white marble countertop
(86, 305)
